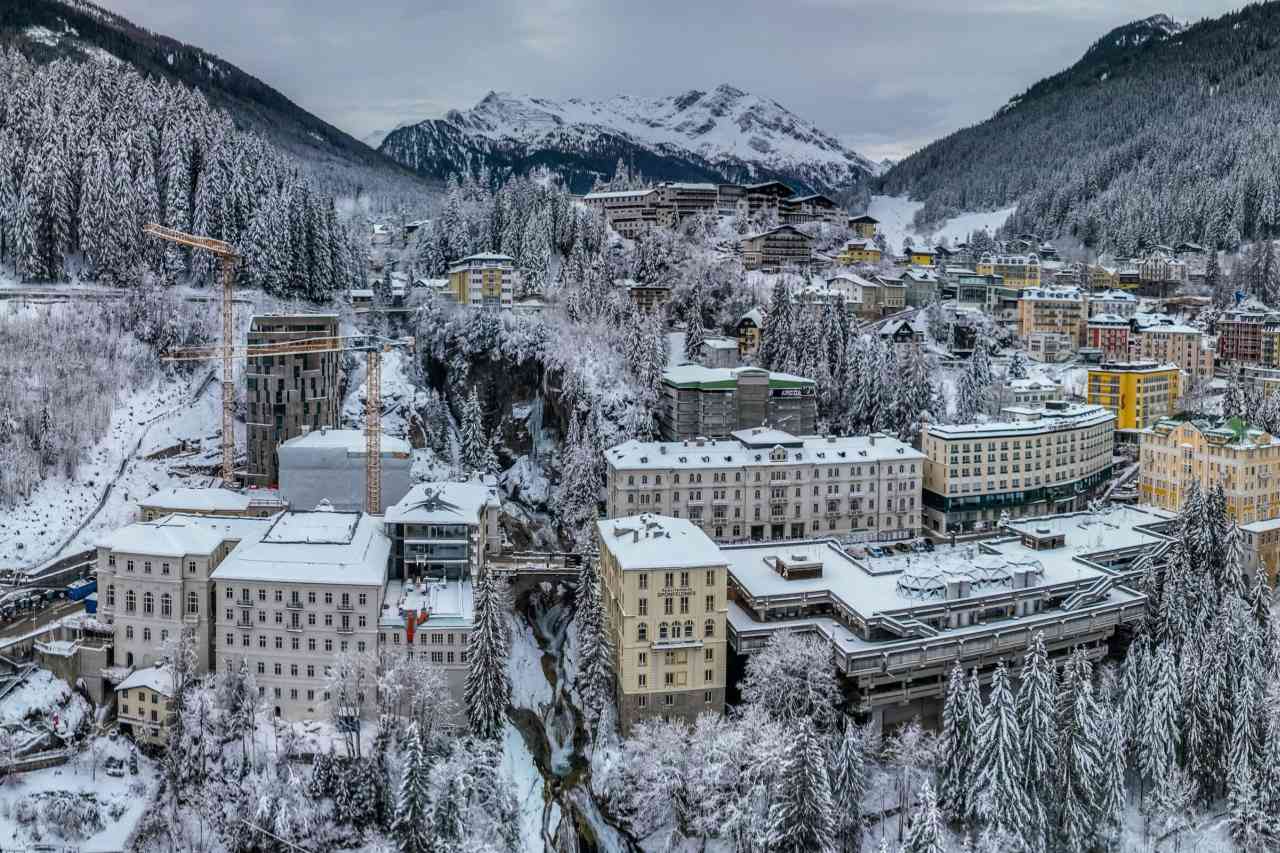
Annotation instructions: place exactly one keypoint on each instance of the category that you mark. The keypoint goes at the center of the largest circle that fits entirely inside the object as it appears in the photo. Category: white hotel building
(766, 484)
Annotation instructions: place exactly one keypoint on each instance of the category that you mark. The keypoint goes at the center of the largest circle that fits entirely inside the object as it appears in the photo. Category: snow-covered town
(637, 473)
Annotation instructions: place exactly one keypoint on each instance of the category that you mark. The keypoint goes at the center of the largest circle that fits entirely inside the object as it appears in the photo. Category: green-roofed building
(713, 402)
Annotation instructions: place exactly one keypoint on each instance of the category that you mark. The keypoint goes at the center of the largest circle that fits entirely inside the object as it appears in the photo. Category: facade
(810, 208)
(1245, 461)
(1050, 347)
(1138, 393)
(766, 484)
(1262, 548)
(665, 604)
(777, 249)
(1052, 311)
(1240, 332)
(864, 226)
(922, 287)
(1176, 344)
(630, 212)
(861, 295)
(483, 281)
(682, 199)
(750, 329)
(444, 530)
(329, 465)
(231, 503)
(1110, 334)
(1018, 271)
(1027, 392)
(648, 297)
(897, 624)
(287, 605)
(720, 353)
(1116, 303)
(1042, 460)
(707, 402)
(155, 579)
(862, 250)
(920, 257)
(144, 705)
(284, 393)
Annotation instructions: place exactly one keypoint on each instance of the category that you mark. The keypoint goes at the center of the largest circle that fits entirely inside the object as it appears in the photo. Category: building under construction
(284, 393)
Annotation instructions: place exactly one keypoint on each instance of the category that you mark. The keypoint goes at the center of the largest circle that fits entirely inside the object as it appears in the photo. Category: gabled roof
(864, 218)
(157, 678)
(779, 228)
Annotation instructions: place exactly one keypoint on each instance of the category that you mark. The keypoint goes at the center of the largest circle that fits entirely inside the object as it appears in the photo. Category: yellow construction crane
(372, 345)
(227, 258)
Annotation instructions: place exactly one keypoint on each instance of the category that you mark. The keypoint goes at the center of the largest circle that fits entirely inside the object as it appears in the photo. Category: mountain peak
(1156, 28)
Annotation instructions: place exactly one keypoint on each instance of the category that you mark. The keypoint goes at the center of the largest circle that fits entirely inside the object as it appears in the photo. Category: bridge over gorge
(526, 568)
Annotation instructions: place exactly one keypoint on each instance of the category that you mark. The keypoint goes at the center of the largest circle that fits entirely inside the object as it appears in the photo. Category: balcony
(347, 607)
(244, 602)
(294, 629)
(345, 629)
(293, 605)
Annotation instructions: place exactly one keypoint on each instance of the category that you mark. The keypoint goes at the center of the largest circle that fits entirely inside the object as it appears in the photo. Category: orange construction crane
(372, 345)
(227, 258)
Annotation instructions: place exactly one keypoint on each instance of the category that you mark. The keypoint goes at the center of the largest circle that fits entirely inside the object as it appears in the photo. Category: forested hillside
(1159, 133)
(90, 152)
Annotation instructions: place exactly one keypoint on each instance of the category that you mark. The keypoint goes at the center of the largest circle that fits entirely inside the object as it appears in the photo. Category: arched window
(662, 631)
(148, 604)
(642, 631)
(709, 628)
(193, 603)
(111, 595)
(130, 601)
(688, 629)
(166, 605)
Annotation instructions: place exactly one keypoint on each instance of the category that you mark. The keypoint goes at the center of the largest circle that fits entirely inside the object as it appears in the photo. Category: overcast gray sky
(886, 76)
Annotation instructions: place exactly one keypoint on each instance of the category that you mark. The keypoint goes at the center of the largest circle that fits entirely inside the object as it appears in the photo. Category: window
(643, 607)
(130, 601)
(146, 635)
(642, 701)
(279, 643)
(148, 603)
(128, 565)
(642, 659)
(669, 700)
(709, 628)
(166, 605)
(644, 581)
(193, 603)
(146, 567)
(328, 598)
(662, 631)
(669, 579)
(642, 631)
(709, 655)
(711, 578)
(128, 632)
(711, 602)
(684, 579)
(111, 595)
(191, 567)
(642, 680)
(164, 568)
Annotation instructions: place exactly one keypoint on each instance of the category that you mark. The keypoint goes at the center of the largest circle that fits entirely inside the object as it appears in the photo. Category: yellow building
(666, 601)
(921, 257)
(864, 225)
(1139, 393)
(860, 251)
(1245, 461)
(1019, 271)
(750, 330)
(484, 280)
(1052, 310)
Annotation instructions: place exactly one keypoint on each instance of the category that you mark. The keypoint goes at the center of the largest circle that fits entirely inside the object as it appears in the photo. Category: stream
(556, 735)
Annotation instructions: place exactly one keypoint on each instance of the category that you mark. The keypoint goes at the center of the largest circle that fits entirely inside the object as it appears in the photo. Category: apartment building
(708, 402)
(864, 226)
(1116, 303)
(1018, 271)
(777, 249)
(144, 705)
(1110, 334)
(230, 503)
(330, 466)
(155, 579)
(284, 393)
(922, 286)
(682, 199)
(629, 212)
(1262, 548)
(1174, 343)
(1050, 347)
(1052, 311)
(1161, 272)
(893, 293)
(665, 602)
(648, 297)
(287, 605)
(865, 296)
(750, 330)
(766, 484)
(861, 250)
(1027, 392)
(1240, 332)
(919, 256)
(483, 280)
(1041, 460)
(810, 208)
(1138, 393)
(444, 529)
(1244, 460)
(897, 624)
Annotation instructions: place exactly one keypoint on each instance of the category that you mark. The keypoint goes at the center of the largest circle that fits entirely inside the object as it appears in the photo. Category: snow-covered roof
(776, 230)
(1055, 294)
(755, 315)
(695, 374)
(610, 194)
(657, 542)
(180, 535)
(157, 678)
(350, 440)
(342, 548)
(762, 446)
(685, 185)
(447, 604)
(1066, 416)
(481, 257)
(448, 502)
(1113, 296)
(1032, 384)
(1108, 319)
(1264, 526)
(208, 500)
(361, 292)
(852, 278)
(720, 343)
(1173, 328)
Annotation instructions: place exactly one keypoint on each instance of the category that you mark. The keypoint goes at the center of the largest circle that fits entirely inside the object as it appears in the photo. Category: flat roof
(178, 535)
(446, 604)
(811, 449)
(448, 502)
(690, 375)
(1072, 416)
(657, 542)
(339, 548)
(211, 500)
(351, 440)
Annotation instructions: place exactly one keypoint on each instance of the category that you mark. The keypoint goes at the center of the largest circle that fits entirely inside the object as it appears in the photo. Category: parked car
(902, 548)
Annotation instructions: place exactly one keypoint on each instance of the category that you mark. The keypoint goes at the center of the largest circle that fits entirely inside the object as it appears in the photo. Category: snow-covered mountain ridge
(722, 134)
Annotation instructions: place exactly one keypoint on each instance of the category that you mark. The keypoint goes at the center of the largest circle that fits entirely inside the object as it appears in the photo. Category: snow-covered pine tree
(999, 786)
(848, 775)
(1017, 368)
(1112, 798)
(694, 336)
(488, 687)
(1161, 732)
(1081, 772)
(926, 834)
(802, 815)
(1039, 730)
(595, 655)
(471, 436)
(776, 345)
(955, 782)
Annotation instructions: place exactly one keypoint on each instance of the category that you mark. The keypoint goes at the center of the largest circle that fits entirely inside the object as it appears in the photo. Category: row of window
(149, 602)
(832, 473)
(668, 605)
(295, 597)
(669, 699)
(675, 630)
(130, 566)
(295, 619)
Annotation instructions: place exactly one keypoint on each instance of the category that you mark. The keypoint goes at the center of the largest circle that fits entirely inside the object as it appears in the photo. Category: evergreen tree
(802, 816)
(848, 775)
(474, 443)
(595, 652)
(926, 834)
(1017, 366)
(1000, 786)
(409, 827)
(1080, 767)
(1038, 726)
(694, 337)
(1161, 730)
(488, 687)
(959, 753)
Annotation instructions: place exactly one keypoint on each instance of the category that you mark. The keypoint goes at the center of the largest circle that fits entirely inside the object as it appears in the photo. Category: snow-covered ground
(397, 394)
(895, 214)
